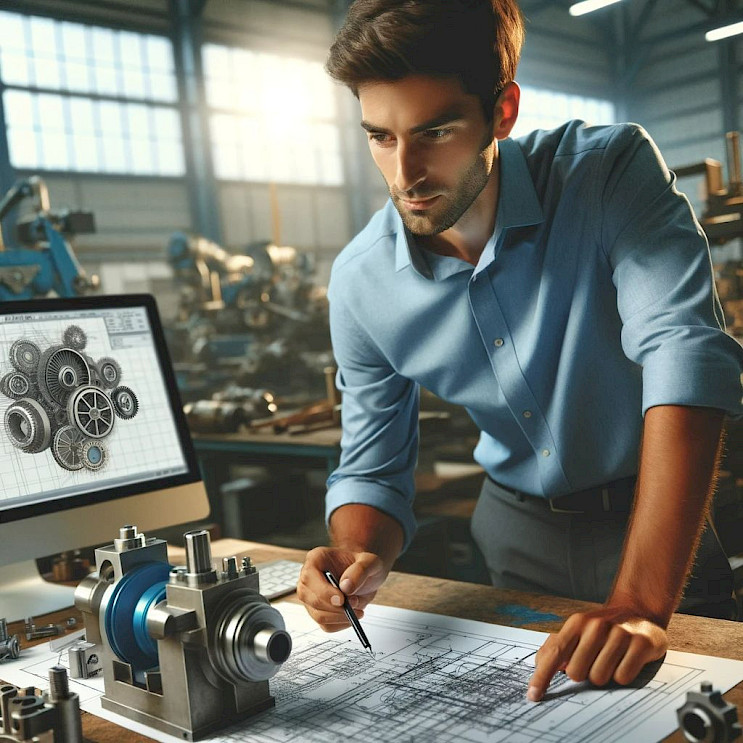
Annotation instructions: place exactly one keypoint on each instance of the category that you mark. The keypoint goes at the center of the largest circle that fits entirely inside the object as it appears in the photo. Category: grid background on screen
(272, 118)
(135, 448)
(85, 98)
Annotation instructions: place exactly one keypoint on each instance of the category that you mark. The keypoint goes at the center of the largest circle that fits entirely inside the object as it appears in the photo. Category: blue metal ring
(124, 617)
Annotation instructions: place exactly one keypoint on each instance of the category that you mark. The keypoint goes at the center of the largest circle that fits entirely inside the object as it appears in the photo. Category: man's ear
(506, 110)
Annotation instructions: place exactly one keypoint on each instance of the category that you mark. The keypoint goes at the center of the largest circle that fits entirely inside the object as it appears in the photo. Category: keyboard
(278, 577)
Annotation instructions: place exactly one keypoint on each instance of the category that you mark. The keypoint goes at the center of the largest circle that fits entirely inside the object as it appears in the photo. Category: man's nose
(411, 169)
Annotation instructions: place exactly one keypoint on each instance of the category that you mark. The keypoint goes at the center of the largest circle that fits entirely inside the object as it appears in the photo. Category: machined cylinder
(198, 551)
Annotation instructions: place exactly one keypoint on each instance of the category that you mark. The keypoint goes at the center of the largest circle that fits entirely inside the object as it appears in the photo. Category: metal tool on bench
(10, 648)
(53, 716)
(707, 718)
(186, 650)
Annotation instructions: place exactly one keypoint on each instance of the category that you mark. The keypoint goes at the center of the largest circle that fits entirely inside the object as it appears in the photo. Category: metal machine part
(707, 718)
(27, 716)
(10, 648)
(85, 660)
(188, 649)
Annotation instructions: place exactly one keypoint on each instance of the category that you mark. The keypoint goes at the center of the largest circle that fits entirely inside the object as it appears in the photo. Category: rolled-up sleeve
(672, 320)
(379, 446)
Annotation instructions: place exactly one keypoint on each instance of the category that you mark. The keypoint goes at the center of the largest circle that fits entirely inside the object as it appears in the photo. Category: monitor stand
(24, 593)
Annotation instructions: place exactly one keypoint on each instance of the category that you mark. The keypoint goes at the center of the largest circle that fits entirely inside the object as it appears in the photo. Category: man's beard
(450, 206)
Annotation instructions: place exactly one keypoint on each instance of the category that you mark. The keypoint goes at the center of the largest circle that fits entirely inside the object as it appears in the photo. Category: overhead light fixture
(724, 31)
(588, 6)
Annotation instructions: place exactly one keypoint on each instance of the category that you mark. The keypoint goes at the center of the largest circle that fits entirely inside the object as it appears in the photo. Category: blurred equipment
(228, 410)
(46, 262)
(189, 649)
(248, 318)
(10, 648)
(53, 716)
(722, 219)
(707, 718)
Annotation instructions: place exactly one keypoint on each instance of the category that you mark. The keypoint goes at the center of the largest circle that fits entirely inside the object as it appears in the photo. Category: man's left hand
(600, 645)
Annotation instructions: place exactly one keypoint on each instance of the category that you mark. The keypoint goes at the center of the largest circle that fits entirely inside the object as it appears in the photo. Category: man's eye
(380, 138)
(438, 133)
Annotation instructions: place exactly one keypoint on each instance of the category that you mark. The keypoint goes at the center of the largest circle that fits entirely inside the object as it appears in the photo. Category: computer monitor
(92, 436)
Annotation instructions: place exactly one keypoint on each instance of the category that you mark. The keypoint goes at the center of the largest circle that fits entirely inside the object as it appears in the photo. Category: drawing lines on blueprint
(432, 683)
(437, 678)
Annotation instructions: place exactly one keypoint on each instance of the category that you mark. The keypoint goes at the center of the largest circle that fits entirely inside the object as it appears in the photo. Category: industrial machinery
(255, 318)
(707, 718)
(10, 648)
(46, 261)
(64, 399)
(28, 716)
(722, 218)
(188, 649)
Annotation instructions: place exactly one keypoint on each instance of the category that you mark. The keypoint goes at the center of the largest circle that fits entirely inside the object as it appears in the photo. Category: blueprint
(434, 678)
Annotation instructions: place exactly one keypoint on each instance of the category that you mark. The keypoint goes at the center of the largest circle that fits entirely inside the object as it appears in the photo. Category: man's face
(433, 145)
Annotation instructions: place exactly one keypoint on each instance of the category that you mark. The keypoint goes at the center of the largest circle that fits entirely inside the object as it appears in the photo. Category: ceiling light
(587, 6)
(724, 31)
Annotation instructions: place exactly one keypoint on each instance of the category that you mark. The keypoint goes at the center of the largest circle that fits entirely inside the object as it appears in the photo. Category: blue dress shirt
(592, 302)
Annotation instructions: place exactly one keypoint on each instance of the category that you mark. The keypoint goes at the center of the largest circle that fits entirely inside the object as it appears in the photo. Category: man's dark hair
(479, 41)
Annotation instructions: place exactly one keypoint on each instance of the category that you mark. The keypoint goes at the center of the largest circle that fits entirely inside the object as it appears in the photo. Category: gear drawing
(61, 371)
(25, 356)
(91, 410)
(74, 336)
(65, 401)
(15, 385)
(125, 402)
(67, 447)
(109, 372)
(93, 455)
(28, 425)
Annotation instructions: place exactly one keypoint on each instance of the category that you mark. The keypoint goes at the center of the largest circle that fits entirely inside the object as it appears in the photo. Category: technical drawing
(434, 678)
(64, 400)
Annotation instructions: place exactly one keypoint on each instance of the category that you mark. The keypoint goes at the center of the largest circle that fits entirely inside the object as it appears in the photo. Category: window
(86, 98)
(272, 118)
(546, 109)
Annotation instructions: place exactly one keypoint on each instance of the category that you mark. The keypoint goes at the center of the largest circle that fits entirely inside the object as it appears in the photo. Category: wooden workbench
(468, 601)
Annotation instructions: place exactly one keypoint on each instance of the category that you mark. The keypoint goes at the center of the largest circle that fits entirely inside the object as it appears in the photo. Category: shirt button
(545, 452)
(527, 414)
(498, 342)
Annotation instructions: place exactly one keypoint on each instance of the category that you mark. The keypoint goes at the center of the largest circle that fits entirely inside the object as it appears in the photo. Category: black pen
(351, 614)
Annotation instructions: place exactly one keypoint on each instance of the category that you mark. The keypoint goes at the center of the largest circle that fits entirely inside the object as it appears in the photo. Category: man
(559, 288)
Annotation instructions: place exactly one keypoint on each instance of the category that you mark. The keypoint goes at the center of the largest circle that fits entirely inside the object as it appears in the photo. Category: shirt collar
(518, 206)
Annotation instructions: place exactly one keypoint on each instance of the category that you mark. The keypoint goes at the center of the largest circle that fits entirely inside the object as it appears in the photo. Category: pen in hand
(350, 614)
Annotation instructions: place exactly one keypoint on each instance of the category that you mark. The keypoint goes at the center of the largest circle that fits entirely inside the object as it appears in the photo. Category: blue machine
(46, 262)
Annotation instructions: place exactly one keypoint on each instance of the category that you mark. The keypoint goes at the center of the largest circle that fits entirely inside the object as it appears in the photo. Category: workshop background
(197, 151)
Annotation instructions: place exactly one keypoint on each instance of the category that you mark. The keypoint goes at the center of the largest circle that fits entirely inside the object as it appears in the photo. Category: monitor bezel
(109, 302)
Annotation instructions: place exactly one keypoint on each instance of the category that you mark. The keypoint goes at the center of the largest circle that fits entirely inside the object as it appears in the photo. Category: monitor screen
(89, 417)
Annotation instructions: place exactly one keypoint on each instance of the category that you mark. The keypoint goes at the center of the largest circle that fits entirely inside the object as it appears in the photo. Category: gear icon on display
(109, 372)
(67, 446)
(25, 356)
(93, 455)
(64, 400)
(125, 402)
(74, 336)
(15, 385)
(61, 371)
(91, 410)
(28, 426)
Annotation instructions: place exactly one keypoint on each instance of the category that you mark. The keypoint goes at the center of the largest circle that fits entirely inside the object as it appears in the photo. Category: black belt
(614, 497)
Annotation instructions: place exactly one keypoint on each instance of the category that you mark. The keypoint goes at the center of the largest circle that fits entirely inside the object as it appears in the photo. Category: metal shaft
(69, 724)
(3, 630)
(198, 551)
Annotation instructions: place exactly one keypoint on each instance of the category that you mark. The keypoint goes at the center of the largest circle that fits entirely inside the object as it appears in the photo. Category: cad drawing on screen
(64, 400)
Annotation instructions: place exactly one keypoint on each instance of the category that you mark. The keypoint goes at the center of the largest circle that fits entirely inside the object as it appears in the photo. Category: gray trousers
(528, 547)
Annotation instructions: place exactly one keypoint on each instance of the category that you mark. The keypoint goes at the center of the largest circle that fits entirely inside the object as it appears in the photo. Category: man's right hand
(359, 574)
